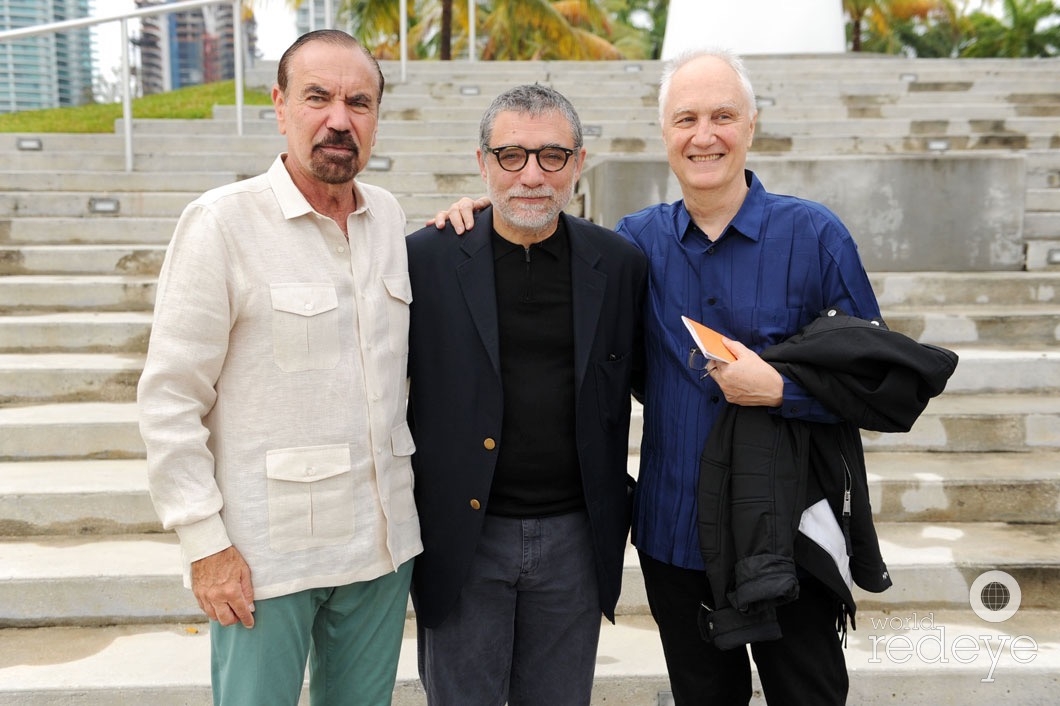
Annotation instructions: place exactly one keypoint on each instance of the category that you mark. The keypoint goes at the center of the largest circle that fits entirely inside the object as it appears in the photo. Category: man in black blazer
(525, 339)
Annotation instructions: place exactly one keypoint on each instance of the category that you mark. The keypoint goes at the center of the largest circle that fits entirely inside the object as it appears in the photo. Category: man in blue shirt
(757, 267)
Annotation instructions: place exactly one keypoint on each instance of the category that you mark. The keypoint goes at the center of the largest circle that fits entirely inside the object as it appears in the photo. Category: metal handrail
(124, 18)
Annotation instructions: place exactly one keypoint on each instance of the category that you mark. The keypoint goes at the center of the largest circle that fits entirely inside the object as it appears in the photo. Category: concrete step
(37, 377)
(845, 135)
(979, 423)
(454, 181)
(1043, 199)
(1043, 169)
(1041, 225)
(32, 378)
(933, 565)
(1017, 487)
(260, 122)
(87, 331)
(81, 259)
(946, 296)
(101, 497)
(951, 423)
(30, 293)
(930, 290)
(144, 160)
(1028, 370)
(87, 203)
(772, 123)
(1010, 88)
(925, 658)
(770, 143)
(78, 430)
(405, 135)
(1032, 326)
(827, 65)
(75, 498)
(135, 231)
(99, 581)
(102, 181)
(859, 110)
(57, 142)
(131, 578)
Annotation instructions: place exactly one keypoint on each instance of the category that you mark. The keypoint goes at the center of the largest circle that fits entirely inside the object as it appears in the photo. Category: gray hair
(532, 100)
(729, 57)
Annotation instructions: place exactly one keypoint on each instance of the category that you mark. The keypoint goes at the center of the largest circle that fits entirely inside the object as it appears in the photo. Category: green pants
(351, 636)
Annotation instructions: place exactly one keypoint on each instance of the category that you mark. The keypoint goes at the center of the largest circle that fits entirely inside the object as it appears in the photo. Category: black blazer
(455, 396)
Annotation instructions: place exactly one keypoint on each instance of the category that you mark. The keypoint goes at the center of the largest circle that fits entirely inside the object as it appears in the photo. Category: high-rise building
(188, 47)
(318, 14)
(48, 70)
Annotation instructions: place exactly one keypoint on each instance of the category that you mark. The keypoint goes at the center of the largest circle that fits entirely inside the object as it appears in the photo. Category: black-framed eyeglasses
(512, 158)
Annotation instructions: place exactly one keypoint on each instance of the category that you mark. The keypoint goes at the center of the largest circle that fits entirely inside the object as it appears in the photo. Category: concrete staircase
(91, 606)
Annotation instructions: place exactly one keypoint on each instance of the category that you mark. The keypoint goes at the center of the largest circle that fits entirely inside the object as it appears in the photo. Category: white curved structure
(755, 26)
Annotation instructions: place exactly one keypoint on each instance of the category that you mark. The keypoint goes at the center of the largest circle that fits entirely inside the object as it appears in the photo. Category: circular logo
(995, 596)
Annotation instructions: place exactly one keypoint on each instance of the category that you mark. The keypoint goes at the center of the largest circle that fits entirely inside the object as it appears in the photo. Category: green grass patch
(193, 102)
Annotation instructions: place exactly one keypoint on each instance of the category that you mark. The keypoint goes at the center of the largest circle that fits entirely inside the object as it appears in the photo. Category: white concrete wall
(755, 26)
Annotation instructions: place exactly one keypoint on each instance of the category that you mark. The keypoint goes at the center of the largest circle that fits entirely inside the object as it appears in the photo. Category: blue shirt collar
(748, 220)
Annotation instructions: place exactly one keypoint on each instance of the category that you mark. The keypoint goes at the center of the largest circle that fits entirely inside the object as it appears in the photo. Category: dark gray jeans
(527, 623)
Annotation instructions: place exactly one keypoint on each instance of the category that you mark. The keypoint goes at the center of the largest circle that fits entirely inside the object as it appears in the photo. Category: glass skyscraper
(48, 70)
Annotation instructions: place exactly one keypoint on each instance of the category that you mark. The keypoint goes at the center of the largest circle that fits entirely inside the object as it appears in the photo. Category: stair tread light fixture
(103, 205)
(379, 164)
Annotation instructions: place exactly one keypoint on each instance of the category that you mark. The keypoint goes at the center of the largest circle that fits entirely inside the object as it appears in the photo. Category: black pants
(806, 666)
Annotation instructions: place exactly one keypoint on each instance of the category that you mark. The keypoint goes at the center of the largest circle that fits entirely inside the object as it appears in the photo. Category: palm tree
(856, 10)
(885, 25)
(639, 26)
(1029, 28)
(445, 51)
(539, 29)
(512, 29)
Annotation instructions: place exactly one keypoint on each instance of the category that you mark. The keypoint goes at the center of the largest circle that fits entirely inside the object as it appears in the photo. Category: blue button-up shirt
(777, 265)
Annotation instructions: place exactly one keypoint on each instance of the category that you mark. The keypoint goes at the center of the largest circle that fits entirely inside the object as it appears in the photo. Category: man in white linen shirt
(272, 402)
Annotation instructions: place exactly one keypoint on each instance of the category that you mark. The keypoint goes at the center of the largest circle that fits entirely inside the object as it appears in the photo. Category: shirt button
(714, 399)
(309, 306)
(712, 301)
(341, 249)
(489, 444)
(310, 471)
(475, 504)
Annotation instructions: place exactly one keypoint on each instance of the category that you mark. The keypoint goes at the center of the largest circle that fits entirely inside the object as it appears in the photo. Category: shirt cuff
(203, 538)
(797, 404)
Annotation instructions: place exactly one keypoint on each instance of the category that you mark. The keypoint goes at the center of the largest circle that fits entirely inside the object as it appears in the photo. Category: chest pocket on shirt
(305, 326)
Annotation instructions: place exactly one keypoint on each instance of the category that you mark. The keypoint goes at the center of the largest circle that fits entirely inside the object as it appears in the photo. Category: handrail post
(237, 16)
(403, 38)
(471, 20)
(126, 99)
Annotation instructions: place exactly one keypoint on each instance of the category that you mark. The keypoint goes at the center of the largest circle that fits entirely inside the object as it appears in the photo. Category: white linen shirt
(272, 402)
